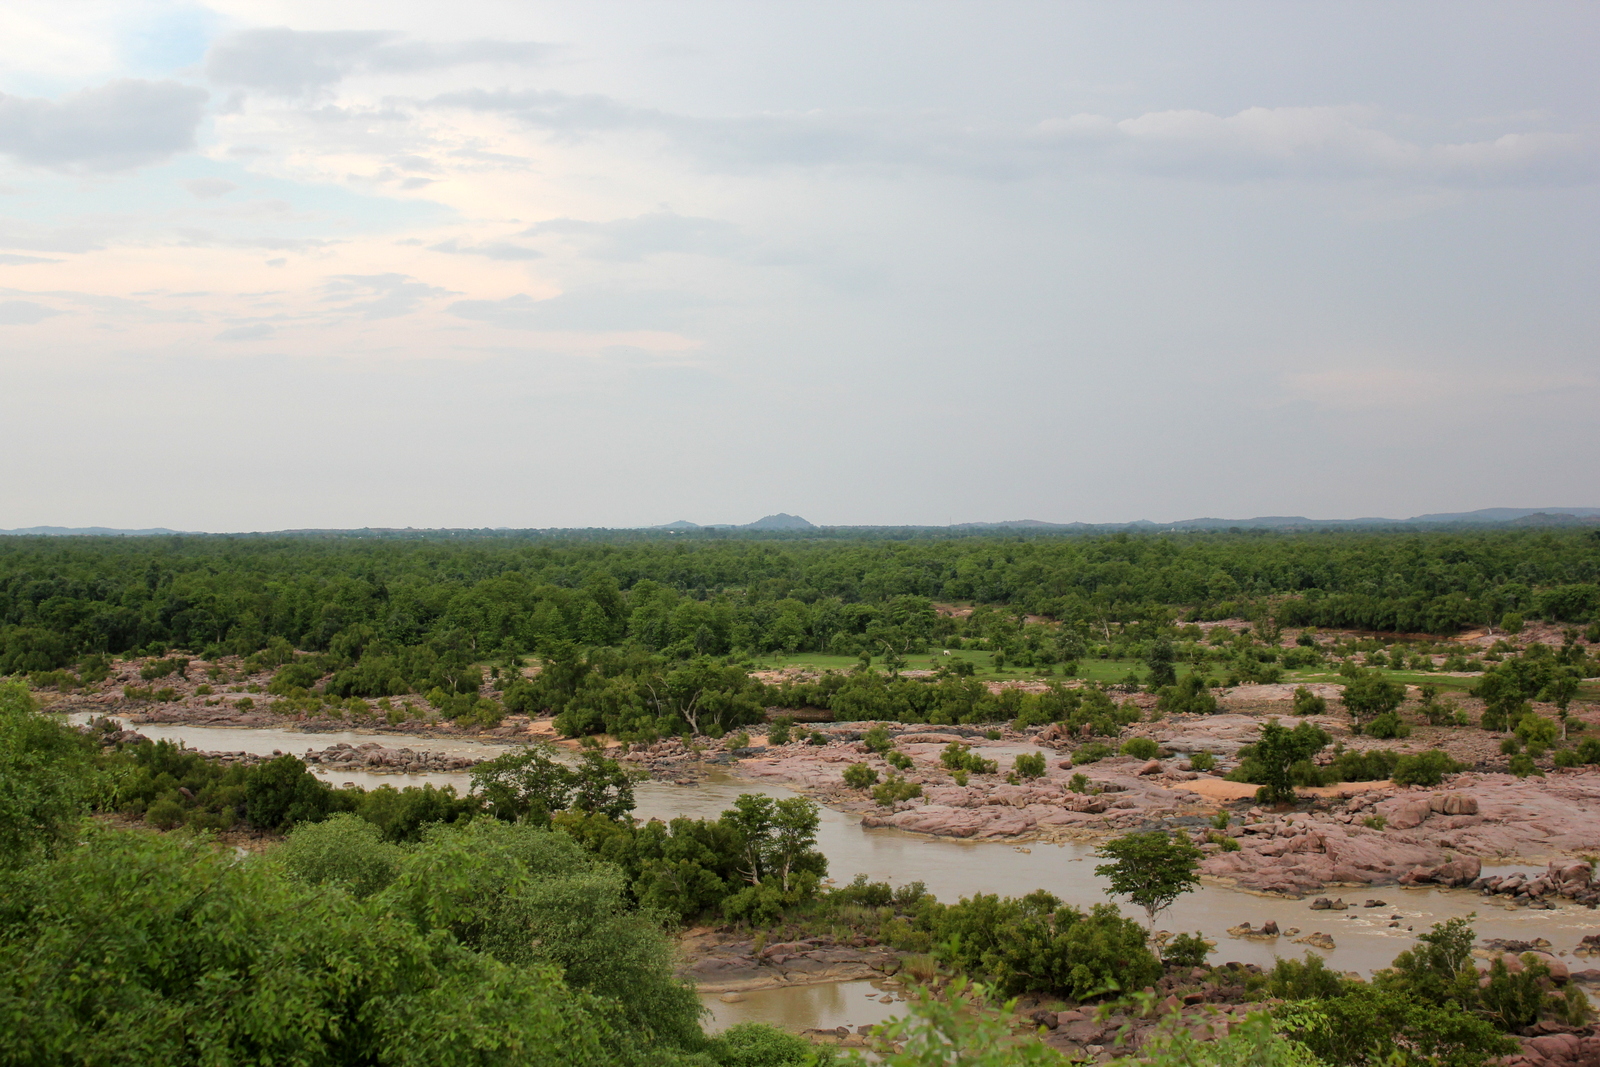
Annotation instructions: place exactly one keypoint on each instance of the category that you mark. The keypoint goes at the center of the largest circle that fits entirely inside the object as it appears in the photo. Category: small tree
(1562, 688)
(1161, 659)
(1151, 869)
(1279, 749)
(1369, 694)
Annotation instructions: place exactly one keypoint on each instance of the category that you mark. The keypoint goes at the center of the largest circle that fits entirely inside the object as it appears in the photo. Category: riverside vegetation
(528, 921)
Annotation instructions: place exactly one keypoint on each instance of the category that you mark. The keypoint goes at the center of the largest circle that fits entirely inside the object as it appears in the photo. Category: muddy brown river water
(951, 869)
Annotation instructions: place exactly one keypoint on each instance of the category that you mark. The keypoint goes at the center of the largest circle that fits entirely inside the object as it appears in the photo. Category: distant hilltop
(783, 522)
(1483, 516)
(780, 521)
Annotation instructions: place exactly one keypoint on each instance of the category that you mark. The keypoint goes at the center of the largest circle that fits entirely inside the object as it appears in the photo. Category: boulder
(1406, 813)
(1453, 804)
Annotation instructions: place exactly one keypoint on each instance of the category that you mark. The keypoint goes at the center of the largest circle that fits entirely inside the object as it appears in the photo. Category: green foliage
(958, 757)
(1308, 979)
(1029, 765)
(1308, 703)
(532, 899)
(533, 783)
(1537, 730)
(345, 850)
(1270, 761)
(877, 740)
(1370, 694)
(895, 789)
(143, 949)
(1387, 726)
(1424, 768)
(1370, 1025)
(1093, 752)
(1151, 869)
(859, 776)
(899, 760)
(1189, 696)
(1185, 950)
(1035, 944)
(1141, 747)
(1202, 761)
(1522, 766)
(43, 786)
(282, 792)
(778, 732)
(959, 1029)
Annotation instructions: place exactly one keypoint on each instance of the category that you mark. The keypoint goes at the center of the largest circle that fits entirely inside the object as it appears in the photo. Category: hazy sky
(267, 265)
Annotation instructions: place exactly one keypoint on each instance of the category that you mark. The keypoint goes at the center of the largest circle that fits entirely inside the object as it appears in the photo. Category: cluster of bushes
(1282, 759)
(752, 863)
(1429, 1006)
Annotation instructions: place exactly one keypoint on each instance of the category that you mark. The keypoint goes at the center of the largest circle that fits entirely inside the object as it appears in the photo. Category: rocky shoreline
(1357, 834)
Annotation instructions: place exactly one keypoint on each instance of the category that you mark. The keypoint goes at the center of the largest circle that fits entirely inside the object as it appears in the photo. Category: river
(951, 869)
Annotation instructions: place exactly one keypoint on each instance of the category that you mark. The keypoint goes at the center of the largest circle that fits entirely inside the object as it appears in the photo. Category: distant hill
(82, 531)
(780, 521)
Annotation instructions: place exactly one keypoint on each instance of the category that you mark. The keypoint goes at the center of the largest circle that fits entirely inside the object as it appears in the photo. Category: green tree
(1269, 760)
(1151, 869)
(1370, 694)
(44, 778)
(527, 784)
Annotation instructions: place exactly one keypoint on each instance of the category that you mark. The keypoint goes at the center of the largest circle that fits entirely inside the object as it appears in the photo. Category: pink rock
(1152, 767)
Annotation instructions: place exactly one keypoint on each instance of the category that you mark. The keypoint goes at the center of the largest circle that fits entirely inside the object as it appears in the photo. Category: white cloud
(122, 124)
(24, 312)
(292, 63)
(1313, 143)
(209, 188)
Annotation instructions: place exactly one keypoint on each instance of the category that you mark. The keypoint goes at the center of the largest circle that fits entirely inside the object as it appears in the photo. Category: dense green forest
(418, 600)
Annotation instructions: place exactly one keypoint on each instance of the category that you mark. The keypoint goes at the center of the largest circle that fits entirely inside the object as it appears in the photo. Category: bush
(1029, 765)
(1308, 703)
(877, 740)
(859, 776)
(1141, 747)
(1202, 761)
(1309, 979)
(1522, 765)
(1387, 726)
(778, 732)
(895, 789)
(899, 760)
(1424, 768)
(1079, 783)
(1034, 944)
(1093, 752)
(1538, 730)
(346, 851)
(165, 814)
(1185, 950)
(959, 758)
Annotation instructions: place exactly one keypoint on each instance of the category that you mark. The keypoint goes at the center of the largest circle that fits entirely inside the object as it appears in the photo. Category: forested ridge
(63, 598)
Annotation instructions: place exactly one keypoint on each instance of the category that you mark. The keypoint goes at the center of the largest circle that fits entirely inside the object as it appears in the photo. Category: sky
(278, 265)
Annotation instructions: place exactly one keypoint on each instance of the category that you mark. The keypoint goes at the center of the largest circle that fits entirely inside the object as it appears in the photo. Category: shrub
(1310, 979)
(1079, 783)
(1522, 765)
(895, 789)
(859, 776)
(1567, 757)
(958, 757)
(1375, 822)
(1424, 768)
(899, 760)
(165, 814)
(1140, 747)
(1308, 703)
(1388, 725)
(817, 738)
(1029, 765)
(778, 732)
(1202, 761)
(1538, 730)
(877, 740)
(1185, 950)
(1093, 752)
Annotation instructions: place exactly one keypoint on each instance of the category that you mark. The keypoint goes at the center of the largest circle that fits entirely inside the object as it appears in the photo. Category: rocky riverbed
(720, 961)
(1372, 833)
